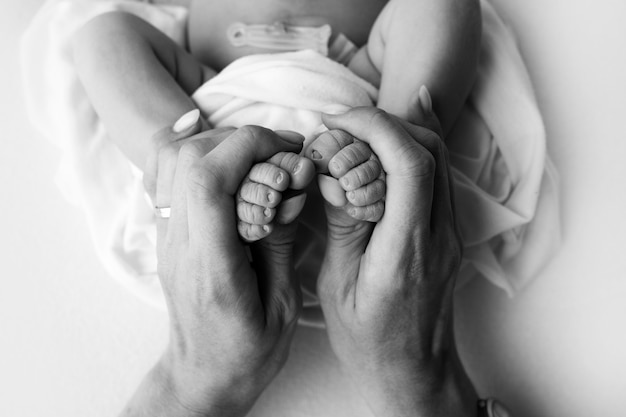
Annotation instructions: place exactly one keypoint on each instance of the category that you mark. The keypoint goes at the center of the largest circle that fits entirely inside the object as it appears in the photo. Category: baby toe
(259, 194)
(269, 174)
(290, 208)
(300, 169)
(368, 194)
(348, 158)
(366, 173)
(253, 232)
(370, 213)
(325, 146)
(254, 214)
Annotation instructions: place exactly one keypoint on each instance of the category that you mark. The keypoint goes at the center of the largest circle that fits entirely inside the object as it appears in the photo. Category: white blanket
(505, 184)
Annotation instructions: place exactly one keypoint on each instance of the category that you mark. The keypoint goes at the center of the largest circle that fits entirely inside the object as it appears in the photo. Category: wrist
(201, 392)
(439, 389)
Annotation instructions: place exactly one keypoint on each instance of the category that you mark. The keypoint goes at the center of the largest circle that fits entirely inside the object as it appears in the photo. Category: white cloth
(506, 187)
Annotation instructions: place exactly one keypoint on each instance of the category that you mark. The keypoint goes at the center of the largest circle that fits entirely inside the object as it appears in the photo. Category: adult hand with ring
(386, 290)
(231, 324)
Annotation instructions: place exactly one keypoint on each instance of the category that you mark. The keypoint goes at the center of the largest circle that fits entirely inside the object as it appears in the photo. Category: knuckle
(378, 117)
(192, 150)
(252, 132)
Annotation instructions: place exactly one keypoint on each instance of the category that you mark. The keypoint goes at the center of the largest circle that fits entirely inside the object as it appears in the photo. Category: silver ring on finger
(162, 212)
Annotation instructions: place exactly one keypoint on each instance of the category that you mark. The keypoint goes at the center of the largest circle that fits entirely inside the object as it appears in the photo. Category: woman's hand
(387, 289)
(231, 325)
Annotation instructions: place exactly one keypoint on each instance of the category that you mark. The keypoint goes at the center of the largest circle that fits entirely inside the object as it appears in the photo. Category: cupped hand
(232, 321)
(386, 290)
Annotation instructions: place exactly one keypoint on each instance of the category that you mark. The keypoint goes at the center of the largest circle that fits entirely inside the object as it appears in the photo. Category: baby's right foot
(260, 199)
(357, 182)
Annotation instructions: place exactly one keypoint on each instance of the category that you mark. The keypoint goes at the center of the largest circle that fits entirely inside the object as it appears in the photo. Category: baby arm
(423, 42)
(137, 79)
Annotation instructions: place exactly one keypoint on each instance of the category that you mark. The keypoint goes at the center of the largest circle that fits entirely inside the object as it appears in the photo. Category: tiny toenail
(267, 212)
(297, 168)
(279, 178)
(316, 155)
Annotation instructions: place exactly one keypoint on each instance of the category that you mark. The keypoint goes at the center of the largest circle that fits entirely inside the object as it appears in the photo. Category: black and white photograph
(313, 208)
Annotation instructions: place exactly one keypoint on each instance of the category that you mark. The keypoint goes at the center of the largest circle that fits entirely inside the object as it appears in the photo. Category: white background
(74, 343)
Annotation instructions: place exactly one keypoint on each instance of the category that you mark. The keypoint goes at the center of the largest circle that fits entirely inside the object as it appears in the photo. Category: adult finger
(213, 180)
(194, 147)
(443, 198)
(408, 165)
(188, 125)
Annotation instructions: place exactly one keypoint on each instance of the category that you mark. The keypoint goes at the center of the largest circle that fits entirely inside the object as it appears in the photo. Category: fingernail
(266, 228)
(279, 178)
(290, 136)
(297, 168)
(335, 109)
(186, 121)
(289, 209)
(425, 101)
(316, 155)
(345, 181)
(270, 197)
(267, 212)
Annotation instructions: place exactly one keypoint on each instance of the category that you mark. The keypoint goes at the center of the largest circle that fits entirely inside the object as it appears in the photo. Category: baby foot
(356, 183)
(265, 196)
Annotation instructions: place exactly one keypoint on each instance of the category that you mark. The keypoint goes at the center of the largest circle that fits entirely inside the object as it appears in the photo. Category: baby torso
(210, 20)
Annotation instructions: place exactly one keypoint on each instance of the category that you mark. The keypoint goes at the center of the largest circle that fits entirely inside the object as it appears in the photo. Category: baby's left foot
(356, 183)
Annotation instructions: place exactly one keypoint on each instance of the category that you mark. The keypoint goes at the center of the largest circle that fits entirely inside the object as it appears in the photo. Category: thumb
(421, 111)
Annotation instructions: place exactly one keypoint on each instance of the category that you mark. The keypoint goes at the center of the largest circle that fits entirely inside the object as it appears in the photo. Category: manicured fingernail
(316, 155)
(289, 209)
(291, 136)
(186, 121)
(335, 109)
(425, 101)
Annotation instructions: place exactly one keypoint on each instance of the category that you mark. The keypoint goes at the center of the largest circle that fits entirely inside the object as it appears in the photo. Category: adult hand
(386, 290)
(231, 325)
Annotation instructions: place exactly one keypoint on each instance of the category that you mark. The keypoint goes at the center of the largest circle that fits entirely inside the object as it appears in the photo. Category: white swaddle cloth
(506, 194)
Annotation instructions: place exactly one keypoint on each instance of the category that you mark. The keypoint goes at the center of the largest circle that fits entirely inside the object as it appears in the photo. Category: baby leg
(265, 196)
(357, 184)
